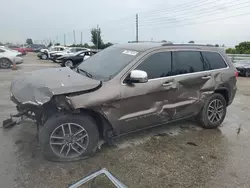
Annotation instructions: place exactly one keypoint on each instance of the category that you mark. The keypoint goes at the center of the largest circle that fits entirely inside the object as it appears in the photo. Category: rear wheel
(5, 63)
(69, 137)
(213, 112)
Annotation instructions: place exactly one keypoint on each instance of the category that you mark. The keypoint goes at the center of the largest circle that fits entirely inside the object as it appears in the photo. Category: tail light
(236, 73)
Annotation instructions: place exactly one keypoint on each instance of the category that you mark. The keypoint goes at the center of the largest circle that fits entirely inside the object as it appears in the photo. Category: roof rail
(171, 44)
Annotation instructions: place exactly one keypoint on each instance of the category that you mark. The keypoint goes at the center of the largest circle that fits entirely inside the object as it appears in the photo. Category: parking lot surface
(175, 155)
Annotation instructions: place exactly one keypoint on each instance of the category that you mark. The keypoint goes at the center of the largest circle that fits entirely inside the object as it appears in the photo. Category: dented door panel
(192, 91)
(146, 104)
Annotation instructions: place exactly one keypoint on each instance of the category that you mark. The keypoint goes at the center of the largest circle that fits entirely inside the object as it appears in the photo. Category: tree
(96, 37)
(243, 47)
(191, 42)
(57, 44)
(86, 45)
(106, 45)
(29, 41)
(50, 44)
(216, 45)
(231, 51)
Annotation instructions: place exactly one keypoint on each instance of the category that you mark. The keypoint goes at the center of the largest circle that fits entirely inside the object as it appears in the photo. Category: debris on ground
(161, 134)
(239, 129)
(192, 143)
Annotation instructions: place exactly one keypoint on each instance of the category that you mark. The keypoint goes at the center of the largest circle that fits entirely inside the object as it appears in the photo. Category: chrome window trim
(172, 50)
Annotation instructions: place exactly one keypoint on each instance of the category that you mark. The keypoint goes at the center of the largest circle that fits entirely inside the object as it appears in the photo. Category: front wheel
(247, 74)
(213, 112)
(5, 63)
(44, 56)
(69, 63)
(69, 137)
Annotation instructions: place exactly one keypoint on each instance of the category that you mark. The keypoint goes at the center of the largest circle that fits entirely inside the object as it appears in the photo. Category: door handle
(206, 77)
(167, 84)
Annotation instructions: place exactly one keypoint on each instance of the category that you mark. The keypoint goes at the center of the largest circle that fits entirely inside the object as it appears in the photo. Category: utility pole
(64, 39)
(137, 32)
(56, 39)
(74, 35)
(98, 34)
(81, 38)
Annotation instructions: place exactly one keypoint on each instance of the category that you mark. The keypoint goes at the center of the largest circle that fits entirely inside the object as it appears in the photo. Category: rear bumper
(232, 95)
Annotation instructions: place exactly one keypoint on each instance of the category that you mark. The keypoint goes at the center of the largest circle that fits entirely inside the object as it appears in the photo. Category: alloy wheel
(69, 64)
(4, 63)
(44, 56)
(215, 110)
(69, 140)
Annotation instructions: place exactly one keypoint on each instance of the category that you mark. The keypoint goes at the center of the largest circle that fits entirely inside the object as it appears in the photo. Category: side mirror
(138, 76)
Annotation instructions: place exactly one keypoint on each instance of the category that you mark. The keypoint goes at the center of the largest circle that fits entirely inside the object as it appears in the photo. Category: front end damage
(40, 94)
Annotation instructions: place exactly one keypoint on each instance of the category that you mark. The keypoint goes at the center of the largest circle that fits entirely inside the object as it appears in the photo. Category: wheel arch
(224, 92)
(7, 59)
(105, 128)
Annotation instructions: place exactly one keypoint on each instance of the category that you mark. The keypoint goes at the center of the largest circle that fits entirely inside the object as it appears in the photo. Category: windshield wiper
(85, 72)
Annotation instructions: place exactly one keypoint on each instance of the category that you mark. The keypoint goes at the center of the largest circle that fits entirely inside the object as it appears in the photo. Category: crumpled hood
(39, 86)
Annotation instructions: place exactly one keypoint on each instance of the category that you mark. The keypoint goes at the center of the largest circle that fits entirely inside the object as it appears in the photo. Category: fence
(239, 57)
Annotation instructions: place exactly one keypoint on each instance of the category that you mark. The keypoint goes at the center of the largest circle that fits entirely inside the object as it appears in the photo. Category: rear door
(194, 82)
(147, 104)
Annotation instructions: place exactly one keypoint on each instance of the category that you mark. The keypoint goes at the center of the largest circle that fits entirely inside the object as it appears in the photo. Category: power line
(202, 10)
(208, 13)
(204, 21)
(175, 7)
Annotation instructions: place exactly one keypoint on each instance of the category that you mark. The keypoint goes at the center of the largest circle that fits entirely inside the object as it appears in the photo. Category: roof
(150, 45)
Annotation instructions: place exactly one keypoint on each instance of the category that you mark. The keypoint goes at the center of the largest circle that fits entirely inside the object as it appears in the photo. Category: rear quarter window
(213, 60)
(187, 62)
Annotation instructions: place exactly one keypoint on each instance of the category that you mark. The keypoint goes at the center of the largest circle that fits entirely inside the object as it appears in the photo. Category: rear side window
(157, 65)
(213, 61)
(187, 62)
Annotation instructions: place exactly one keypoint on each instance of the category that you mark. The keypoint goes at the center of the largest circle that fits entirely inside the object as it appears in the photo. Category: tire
(44, 56)
(51, 145)
(205, 113)
(247, 74)
(5, 63)
(68, 63)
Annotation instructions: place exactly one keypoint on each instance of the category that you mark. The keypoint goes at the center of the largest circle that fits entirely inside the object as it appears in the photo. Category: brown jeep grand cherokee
(121, 89)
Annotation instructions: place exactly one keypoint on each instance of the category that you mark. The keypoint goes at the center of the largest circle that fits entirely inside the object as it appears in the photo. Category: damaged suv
(122, 89)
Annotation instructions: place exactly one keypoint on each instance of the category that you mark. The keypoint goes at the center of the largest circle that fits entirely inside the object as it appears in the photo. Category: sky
(203, 21)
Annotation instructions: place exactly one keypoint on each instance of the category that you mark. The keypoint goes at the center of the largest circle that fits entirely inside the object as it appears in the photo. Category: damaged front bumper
(23, 111)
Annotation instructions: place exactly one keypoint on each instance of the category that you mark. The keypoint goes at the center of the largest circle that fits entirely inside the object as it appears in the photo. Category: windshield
(108, 63)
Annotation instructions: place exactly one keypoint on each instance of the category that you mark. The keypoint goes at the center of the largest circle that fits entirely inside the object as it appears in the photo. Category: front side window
(157, 65)
(187, 62)
(213, 60)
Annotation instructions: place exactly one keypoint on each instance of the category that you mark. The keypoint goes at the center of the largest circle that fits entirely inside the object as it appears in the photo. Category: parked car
(73, 60)
(18, 48)
(122, 89)
(37, 47)
(8, 57)
(68, 51)
(243, 68)
(45, 53)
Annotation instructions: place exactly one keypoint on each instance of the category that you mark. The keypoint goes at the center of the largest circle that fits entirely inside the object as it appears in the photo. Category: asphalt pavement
(175, 155)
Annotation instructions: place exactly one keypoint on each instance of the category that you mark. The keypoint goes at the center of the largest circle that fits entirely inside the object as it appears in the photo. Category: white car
(8, 57)
(45, 53)
(69, 51)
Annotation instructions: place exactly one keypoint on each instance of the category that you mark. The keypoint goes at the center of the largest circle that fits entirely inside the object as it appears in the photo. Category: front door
(147, 104)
